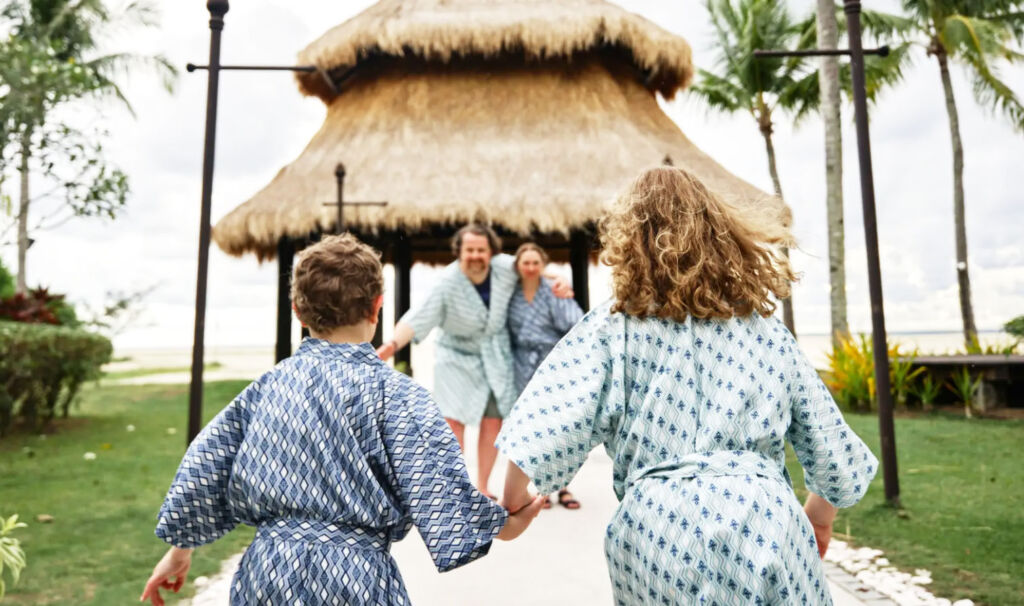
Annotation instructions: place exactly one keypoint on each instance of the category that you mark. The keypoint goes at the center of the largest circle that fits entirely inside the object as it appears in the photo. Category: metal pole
(217, 8)
(886, 430)
(339, 174)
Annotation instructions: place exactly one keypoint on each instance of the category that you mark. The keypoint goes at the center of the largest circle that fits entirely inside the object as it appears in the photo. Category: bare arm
(821, 513)
(403, 334)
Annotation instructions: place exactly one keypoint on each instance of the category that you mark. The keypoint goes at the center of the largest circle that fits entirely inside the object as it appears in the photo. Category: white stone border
(871, 569)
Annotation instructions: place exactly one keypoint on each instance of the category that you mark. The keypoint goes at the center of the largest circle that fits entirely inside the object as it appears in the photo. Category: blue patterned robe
(695, 416)
(332, 456)
(535, 327)
(473, 356)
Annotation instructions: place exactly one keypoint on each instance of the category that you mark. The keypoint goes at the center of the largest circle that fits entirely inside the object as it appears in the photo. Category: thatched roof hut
(529, 114)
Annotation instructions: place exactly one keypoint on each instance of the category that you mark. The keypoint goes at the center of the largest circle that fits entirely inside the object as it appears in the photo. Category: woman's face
(530, 265)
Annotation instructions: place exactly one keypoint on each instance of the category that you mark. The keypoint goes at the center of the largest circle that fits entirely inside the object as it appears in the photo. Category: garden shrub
(851, 374)
(1015, 327)
(38, 306)
(42, 368)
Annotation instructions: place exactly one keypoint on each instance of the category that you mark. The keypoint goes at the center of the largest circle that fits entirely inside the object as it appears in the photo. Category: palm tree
(64, 33)
(977, 34)
(758, 86)
(828, 38)
(833, 77)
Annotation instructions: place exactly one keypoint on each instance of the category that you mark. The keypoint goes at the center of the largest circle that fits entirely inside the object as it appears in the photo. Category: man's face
(475, 255)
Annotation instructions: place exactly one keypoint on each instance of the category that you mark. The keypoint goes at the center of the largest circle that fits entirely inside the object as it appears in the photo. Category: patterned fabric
(473, 356)
(535, 327)
(695, 416)
(332, 456)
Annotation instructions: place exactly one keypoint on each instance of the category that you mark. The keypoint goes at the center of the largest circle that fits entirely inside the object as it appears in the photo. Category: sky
(264, 123)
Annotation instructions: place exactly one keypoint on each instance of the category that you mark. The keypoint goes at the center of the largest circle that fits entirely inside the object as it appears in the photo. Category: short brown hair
(478, 229)
(525, 246)
(335, 282)
(677, 250)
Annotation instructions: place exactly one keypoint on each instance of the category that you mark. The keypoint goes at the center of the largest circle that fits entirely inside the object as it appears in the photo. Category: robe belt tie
(713, 463)
(324, 533)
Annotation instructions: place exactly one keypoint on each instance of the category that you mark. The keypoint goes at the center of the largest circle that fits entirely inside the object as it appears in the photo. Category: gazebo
(526, 114)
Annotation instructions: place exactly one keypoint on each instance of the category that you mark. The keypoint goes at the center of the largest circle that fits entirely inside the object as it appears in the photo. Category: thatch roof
(529, 149)
(440, 30)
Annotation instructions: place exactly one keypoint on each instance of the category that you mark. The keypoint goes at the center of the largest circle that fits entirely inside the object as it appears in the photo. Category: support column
(579, 260)
(403, 269)
(285, 257)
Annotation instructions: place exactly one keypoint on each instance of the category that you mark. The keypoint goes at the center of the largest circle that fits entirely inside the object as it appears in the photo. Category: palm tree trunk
(959, 221)
(23, 204)
(828, 38)
(765, 124)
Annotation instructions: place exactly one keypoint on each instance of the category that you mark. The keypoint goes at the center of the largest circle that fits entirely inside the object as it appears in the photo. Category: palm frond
(719, 93)
(991, 92)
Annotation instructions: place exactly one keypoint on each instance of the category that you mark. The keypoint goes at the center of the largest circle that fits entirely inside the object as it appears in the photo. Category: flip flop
(565, 499)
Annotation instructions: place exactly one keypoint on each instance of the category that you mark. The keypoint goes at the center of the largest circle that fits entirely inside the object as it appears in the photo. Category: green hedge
(42, 368)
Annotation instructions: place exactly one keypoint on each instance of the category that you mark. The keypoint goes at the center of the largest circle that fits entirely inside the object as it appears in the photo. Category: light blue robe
(473, 355)
(695, 416)
(332, 455)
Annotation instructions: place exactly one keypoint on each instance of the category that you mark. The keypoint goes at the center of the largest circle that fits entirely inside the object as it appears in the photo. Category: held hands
(174, 565)
(519, 519)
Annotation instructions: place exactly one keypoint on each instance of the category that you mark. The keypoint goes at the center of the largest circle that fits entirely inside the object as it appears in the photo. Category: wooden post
(285, 258)
(579, 260)
(403, 269)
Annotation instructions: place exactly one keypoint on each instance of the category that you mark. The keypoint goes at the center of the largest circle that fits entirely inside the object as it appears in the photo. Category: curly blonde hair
(335, 283)
(677, 250)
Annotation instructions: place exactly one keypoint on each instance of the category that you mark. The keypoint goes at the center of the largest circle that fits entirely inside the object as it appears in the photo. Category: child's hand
(174, 564)
(518, 521)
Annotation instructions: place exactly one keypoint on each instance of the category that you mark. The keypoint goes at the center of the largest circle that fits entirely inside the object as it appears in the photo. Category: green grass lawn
(145, 372)
(100, 548)
(962, 485)
(962, 493)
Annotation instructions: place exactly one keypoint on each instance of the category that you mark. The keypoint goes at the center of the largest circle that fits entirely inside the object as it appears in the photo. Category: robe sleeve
(196, 509)
(565, 313)
(838, 465)
(428, 315)
(457, 522)
(571, 404)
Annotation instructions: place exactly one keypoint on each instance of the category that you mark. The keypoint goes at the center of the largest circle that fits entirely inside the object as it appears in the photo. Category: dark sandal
(565, 499)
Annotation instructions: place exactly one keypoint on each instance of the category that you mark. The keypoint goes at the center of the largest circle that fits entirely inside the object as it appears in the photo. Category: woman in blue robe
(537, 320)
(693, 388)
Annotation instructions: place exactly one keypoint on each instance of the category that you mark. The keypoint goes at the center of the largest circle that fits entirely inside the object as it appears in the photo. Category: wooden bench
(1002, 377)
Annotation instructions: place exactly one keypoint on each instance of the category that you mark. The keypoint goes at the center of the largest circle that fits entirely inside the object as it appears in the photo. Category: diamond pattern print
(695, 416)
(332, 456)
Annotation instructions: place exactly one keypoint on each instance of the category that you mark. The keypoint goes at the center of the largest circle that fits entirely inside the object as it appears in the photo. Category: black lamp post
(856, 52)
(217, 8)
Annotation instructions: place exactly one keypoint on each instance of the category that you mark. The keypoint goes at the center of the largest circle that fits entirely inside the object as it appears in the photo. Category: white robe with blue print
(695, 416)
(473, 354)
(332, 455)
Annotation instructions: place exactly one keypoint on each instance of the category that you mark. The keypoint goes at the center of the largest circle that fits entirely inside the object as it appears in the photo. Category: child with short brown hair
(332, 456)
